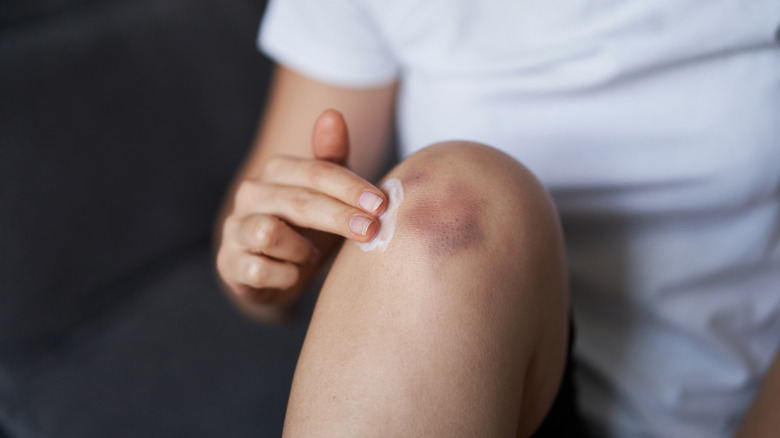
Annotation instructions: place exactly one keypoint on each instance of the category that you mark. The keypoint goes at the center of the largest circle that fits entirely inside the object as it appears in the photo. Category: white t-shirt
(656, 127)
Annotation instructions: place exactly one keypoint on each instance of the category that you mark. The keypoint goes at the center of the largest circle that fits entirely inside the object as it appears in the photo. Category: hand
(268, 250)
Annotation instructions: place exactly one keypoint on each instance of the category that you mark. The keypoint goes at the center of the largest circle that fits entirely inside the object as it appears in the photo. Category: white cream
(395, 195)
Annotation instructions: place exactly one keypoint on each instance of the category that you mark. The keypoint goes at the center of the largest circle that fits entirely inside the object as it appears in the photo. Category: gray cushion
(121, 125)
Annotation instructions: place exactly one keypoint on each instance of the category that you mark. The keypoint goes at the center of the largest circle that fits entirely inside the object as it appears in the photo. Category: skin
(762, 420)
(291, 205)
(458, 328)
(268, 247)
(461, 230)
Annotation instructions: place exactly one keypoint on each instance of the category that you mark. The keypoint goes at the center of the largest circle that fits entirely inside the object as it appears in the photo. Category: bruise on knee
(447, 216)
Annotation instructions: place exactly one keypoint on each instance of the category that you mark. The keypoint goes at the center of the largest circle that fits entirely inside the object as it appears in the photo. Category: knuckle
(318, 170)
(257, 273)
(265, 232)
(301, 200)
(273, 165)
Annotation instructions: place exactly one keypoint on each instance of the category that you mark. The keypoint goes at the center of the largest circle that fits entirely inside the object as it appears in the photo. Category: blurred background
(121, 125)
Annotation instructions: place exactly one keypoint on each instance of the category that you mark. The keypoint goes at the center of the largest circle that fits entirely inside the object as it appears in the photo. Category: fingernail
(369, 202)
(359, 225)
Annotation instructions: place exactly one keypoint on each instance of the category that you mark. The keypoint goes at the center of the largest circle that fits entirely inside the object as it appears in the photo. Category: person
(654, 131)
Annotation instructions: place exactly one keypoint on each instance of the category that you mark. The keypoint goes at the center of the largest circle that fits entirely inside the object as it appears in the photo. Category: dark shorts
(563, 419)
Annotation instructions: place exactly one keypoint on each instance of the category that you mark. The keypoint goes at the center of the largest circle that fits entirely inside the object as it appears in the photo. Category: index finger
(329, 178)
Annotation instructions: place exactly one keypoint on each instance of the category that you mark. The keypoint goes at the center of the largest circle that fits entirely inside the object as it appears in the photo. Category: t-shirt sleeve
(333, 41)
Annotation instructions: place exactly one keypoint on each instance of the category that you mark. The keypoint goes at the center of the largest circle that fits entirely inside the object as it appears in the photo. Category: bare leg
(459, 328)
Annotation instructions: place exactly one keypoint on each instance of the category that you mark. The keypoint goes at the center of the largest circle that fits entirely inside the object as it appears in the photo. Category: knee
(467, 199)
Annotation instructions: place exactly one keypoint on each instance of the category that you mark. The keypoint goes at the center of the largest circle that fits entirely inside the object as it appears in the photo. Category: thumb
(330, 140)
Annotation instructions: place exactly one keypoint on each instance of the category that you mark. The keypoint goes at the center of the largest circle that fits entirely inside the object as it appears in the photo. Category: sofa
(122, 123)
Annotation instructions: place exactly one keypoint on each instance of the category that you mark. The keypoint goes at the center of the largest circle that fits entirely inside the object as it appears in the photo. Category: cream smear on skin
(395, 195)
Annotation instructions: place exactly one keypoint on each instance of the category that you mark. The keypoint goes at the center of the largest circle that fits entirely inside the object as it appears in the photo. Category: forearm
(762, 419)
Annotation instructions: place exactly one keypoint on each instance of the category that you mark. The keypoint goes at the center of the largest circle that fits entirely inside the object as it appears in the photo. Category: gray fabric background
(121, 124)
